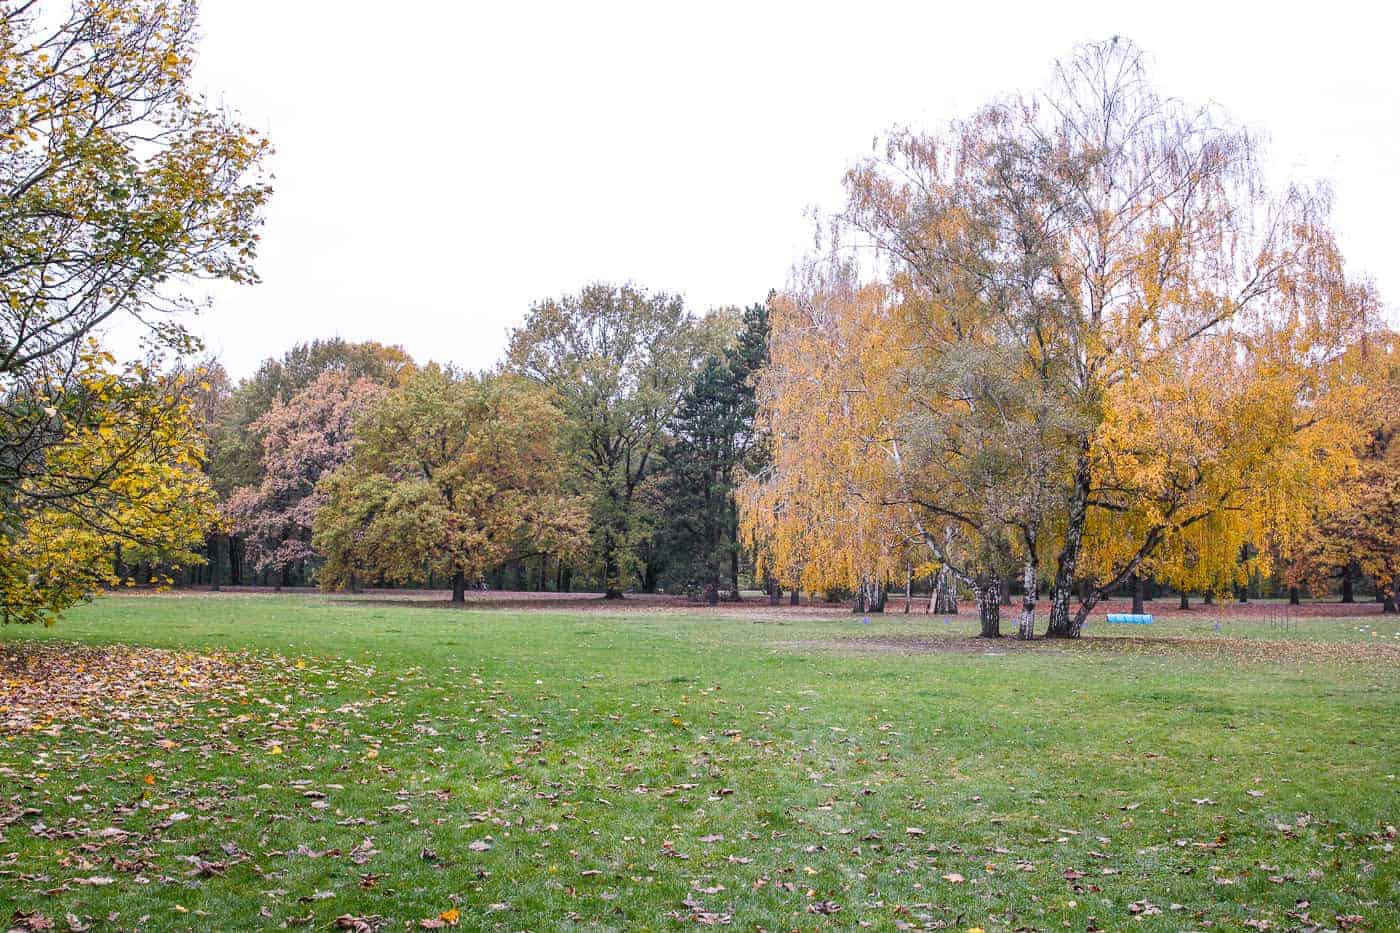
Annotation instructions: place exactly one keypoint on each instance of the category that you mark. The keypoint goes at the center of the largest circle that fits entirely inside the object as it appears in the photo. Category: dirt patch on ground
(520, 601)
(48, 685)
(1223, 649)
(1163, 608)
(914, 644)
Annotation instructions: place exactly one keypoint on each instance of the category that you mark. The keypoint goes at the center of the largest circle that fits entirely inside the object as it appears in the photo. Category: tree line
(1073, 340)
(603, 453)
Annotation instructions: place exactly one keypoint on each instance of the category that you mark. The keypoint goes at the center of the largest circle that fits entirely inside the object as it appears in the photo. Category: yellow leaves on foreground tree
(102, 469)
(119, 184)
(117, 181)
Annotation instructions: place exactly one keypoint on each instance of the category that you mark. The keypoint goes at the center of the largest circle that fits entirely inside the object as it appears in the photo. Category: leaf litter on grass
(520, 789)
(115, 730)
(47, 687)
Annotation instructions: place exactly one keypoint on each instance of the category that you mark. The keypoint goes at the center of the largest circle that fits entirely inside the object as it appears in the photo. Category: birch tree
(1104, 272)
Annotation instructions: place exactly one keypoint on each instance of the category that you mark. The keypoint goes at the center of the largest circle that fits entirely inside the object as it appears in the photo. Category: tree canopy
(616, 360)
(452, 474)
(302, 440)
(118, 185)
(1066, 331)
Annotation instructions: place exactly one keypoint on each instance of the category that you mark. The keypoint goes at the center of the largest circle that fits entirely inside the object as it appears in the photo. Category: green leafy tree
(712, 441)
(452, 475)
(616, 360)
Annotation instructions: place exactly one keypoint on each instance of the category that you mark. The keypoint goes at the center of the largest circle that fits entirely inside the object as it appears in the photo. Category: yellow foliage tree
(104, 465)
(1355, 528)
(815, 515)
(1090, 338)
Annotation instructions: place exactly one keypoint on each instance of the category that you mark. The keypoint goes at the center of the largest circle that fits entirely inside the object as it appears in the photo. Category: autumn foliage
(117, 181)
(1072, 337)
(452, 474)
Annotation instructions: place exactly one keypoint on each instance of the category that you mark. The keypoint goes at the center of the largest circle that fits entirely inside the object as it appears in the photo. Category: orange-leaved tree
(1100, 331)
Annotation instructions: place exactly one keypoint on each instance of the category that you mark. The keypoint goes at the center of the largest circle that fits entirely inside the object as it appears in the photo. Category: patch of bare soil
(1223, 649)
(1163, 608)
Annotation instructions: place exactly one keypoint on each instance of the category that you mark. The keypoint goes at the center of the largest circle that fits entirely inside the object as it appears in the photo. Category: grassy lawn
(300, 759)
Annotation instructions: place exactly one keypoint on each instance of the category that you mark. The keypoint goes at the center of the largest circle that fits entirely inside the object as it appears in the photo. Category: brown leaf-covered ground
(46, 686)
(1218, 649)
(1165, 607)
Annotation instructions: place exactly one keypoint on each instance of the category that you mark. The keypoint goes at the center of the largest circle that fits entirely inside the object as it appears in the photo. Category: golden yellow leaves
(826, 400)
(123, 473)
(448, 918)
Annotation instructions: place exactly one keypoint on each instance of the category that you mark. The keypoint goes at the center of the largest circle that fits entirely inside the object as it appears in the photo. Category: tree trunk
(1391, 597)
(988, 593)
(908, 588)
(712, 593)
(1026, 629)
(796, 598)
(214, 561)
(1347, 595)
(1293, 599)
(1208, 597)
(235, 560)
(1135, 582)
(612, 572)
(945, 598)
(1006, 591)
(879, 595)
(735, 595)
(1185, 601)
(459, 587)
(870, 597)
(1062, 625)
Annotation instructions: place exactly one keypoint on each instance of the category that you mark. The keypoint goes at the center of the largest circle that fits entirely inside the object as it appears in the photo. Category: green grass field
(299, 759)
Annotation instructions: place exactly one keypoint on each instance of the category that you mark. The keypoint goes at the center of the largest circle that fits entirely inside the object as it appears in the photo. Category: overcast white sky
(441, 165)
